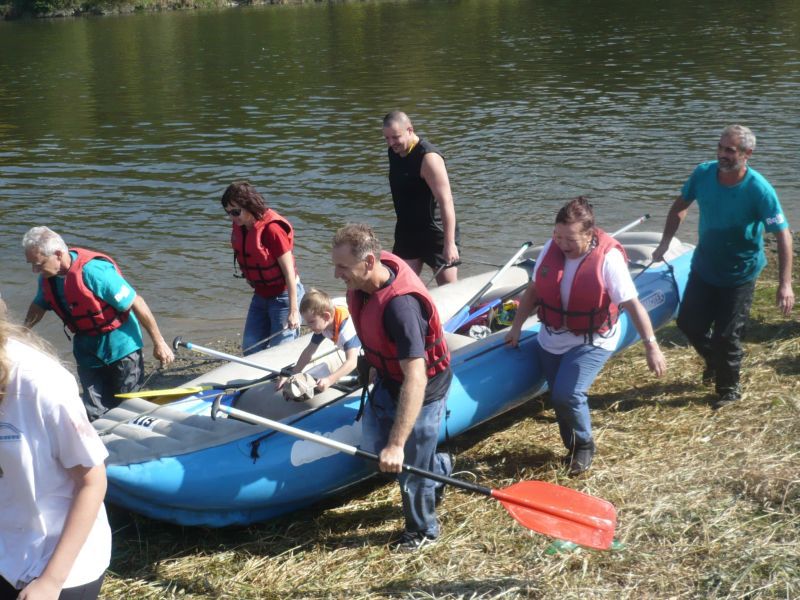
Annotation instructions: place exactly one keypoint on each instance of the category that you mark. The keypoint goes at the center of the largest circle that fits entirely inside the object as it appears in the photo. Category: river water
(122, 132)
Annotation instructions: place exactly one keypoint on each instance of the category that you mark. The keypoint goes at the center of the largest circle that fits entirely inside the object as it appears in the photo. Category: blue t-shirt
(106, 283)
(730, 251)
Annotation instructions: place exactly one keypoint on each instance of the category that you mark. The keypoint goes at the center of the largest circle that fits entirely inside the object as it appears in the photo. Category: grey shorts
(100, 384)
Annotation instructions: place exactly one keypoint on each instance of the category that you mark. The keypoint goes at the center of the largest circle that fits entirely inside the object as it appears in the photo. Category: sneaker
(410, 542)
(581, 459)
(709, 376)
(726, 399)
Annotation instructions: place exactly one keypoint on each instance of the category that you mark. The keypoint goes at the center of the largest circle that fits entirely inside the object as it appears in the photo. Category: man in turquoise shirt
(737, 204)
(103, 312)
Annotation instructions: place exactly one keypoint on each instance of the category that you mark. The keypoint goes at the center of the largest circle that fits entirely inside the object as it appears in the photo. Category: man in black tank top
(426, 230)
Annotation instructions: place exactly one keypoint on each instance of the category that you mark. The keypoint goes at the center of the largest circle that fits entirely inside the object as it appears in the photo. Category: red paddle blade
(560, 512)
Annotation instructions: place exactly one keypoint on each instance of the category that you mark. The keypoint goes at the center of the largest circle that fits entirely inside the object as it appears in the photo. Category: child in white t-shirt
(54, 534)
(326, 321)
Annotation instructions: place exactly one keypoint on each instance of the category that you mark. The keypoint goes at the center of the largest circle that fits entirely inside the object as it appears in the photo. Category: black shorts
(427, 245)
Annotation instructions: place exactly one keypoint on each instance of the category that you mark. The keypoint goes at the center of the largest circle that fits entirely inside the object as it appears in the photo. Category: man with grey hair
(737, 204)
(426, 230)
(102, 310)
(403, 341)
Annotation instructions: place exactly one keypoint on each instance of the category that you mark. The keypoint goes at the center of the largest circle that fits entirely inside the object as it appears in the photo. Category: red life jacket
(258, 265)
(367, 313)
(590, 309)
(85, 313)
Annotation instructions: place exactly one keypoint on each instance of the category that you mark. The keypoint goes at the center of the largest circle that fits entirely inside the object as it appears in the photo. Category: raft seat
(139, 431)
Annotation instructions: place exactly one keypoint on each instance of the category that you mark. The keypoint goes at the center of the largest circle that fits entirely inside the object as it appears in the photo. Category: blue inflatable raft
(174, 463)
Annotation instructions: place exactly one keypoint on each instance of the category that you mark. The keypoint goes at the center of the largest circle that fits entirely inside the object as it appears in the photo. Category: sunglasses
(234, 212)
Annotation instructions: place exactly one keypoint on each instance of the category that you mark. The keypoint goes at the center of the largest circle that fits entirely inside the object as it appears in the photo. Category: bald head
(397, 118)
(399, 132)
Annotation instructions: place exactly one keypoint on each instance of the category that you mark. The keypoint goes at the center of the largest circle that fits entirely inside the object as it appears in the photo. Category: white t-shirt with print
(620, 286)
(43, 432)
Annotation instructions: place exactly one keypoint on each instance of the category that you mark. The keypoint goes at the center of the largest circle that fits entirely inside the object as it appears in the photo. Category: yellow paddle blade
(179, 391)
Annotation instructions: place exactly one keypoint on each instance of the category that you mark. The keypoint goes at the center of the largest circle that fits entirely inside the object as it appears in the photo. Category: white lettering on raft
(653, 301)
(145, 421)
(304, 452)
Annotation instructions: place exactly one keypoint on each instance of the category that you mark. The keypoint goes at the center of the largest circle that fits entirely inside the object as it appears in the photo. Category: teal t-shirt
(106, 283)
(730, 251)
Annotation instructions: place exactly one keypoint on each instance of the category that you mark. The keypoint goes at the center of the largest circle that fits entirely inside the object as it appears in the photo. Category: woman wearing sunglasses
(262, 242)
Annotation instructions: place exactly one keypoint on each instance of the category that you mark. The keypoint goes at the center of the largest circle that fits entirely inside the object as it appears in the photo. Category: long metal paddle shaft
(440, 269)
(460, 317)
(631, 225)
(177, 342)
(265, 340)
(502, 270)
(544, 507)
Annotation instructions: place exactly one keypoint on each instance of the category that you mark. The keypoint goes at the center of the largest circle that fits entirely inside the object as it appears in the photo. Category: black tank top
(414, 203)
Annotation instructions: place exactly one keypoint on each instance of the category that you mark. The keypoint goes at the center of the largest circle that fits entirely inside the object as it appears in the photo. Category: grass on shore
(708, 503)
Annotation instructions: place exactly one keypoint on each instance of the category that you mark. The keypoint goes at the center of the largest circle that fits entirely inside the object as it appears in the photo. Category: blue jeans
(569, 376)
(268, 316)
(418, 493)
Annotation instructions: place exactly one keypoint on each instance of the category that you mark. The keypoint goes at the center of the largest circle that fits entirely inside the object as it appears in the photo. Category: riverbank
(708, 502)
(76, 8)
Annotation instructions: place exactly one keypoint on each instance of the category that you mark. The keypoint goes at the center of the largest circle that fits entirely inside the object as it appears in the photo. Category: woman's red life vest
(367, 313)
(258, 265)
(590, 309)
(85, 313)
(340, 315)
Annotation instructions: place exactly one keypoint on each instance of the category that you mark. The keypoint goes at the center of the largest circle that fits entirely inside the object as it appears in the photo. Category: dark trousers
(713, 319)
(87, 591)
(101, 383)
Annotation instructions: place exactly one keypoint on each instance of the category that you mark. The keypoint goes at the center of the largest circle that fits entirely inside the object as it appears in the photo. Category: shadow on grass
(469, 588)
(760, 330)
(672, 395)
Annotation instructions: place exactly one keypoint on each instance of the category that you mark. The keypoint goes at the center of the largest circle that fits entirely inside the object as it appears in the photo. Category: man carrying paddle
(403, 340)
(426, 229)
(736, 205)
(87, 291)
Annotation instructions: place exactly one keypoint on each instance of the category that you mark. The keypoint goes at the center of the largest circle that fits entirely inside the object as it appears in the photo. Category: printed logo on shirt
(123, 293)
(776, 220)
(9, 433)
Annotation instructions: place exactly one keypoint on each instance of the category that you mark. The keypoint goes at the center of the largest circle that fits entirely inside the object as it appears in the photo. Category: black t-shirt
(406, 322)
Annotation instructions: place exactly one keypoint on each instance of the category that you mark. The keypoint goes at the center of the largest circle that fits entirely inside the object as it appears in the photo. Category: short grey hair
(747, 139)
(45, 240)
(360, 238)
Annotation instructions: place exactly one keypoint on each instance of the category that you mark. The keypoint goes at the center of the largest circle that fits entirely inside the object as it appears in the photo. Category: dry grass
(709, 504)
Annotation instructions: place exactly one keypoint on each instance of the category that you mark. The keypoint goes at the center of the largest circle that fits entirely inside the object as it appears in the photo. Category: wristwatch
(652, 339)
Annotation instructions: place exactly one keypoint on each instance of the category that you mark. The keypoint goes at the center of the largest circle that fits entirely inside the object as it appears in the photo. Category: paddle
(178, 342)
(462, 316)
(178, 391)
(546, 508)
(631, 225)
(265, 340)
(440, 269)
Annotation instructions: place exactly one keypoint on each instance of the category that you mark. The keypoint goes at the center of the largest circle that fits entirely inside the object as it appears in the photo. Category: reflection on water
(122, 132)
